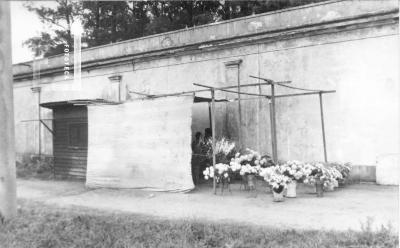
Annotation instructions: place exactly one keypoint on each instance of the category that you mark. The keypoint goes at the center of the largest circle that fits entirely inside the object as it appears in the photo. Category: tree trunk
(7, 151)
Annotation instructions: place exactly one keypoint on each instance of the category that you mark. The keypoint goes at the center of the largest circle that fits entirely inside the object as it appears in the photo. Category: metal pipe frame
(306, 93)
(321, 107)
(213, 137)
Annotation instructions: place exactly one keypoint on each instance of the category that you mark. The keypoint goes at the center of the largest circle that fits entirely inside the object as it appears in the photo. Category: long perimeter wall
(347, 46)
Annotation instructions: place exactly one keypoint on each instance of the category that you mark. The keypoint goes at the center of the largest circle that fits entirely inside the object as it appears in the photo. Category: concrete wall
(354, 51)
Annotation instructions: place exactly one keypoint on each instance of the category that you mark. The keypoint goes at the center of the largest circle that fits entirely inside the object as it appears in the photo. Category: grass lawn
(39, 225)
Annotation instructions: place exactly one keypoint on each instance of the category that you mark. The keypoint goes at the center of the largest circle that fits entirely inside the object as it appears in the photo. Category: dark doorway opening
(70, 142)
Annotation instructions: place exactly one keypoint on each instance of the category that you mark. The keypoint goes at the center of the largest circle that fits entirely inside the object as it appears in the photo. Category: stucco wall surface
(360, 62)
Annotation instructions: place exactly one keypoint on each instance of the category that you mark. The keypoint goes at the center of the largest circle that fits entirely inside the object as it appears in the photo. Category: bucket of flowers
(294, 170)
(275, 177)
(344, 169)
(334, 176)
(222, 174)
(248, 164)
(320, 176)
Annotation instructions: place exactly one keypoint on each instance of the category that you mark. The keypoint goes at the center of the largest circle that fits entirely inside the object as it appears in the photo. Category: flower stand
(319, 186)
(278, 197)
(330, 188)
(251, 181)
(225, 183)
(244, 183)
(310, 188)
(291, 189)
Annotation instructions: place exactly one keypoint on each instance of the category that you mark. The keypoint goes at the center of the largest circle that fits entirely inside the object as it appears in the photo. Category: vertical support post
(8, 200)
(239, 108)
(273, 124)
(37, 89)
(323, 126)
(209, 113)
(213, 135)
(40, 123)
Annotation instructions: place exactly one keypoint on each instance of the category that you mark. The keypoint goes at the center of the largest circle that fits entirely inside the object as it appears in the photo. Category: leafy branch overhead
(107, 22)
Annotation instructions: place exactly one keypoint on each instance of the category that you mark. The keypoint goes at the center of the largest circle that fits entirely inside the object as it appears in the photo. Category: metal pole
(323, 126)
(40, 124)
(8, 199)
(209, 113)
(213, 136)
(239, 108)
(273, 126)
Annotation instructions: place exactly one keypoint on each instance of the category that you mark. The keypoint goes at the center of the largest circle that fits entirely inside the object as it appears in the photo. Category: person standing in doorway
(196, 157)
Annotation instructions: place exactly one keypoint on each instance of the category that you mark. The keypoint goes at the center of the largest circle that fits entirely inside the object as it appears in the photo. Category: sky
(24, 25)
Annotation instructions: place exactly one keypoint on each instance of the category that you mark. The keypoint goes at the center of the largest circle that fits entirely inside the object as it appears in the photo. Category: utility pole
(8, 201)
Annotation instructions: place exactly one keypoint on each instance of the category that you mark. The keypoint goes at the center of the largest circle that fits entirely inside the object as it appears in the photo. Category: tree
(58, 19)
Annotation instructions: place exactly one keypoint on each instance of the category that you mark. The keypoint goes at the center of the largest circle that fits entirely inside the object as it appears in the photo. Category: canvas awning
(141, 144)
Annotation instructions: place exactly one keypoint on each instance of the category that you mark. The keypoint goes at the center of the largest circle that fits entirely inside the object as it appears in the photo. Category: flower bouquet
(224, 150)
(248, 165)
(278, 181)
(222, 174)
(320, 176)
(296, 171)
(344, 170)
(333, 176)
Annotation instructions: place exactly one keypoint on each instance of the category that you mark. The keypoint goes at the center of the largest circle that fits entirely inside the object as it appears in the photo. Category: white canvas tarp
(141, 144)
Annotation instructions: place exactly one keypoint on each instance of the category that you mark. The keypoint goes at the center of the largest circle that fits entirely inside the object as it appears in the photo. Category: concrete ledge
(362, 173)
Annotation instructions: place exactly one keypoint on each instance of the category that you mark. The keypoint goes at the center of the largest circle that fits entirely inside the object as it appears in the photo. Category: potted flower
(334, 176)
(296, 172)
(277, 180)
(248, 165)
(319, 176)
(222, 173)
(344, 170)
(250, 173)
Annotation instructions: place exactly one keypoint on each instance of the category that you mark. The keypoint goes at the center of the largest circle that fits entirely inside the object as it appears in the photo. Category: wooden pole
(8, 200)
(213, 136)
(273, 125)
(323, 126)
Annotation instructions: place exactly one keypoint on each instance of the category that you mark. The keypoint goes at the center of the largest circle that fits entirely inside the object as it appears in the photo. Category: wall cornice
(337, 24)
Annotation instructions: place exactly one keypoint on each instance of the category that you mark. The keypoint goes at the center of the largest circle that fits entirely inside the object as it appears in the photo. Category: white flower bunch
(235, 164)
(333, 175)
(266, 173)
(275, 178)
(208, 172)
(220, 170)
(251, 154)
(224, 146)
(294, 169)
(248, 169)
(343, 168)
(320, 172)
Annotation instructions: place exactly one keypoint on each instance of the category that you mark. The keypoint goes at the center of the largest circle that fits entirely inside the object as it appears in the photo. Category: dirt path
(340, 210)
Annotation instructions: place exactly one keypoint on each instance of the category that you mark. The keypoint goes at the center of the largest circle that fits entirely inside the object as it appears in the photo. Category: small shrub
(35, 168)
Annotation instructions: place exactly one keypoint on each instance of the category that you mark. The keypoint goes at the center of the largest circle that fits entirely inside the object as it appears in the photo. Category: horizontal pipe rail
(306, 93)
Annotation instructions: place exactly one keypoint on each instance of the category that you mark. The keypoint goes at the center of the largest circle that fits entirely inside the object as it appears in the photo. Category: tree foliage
(112, 21)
